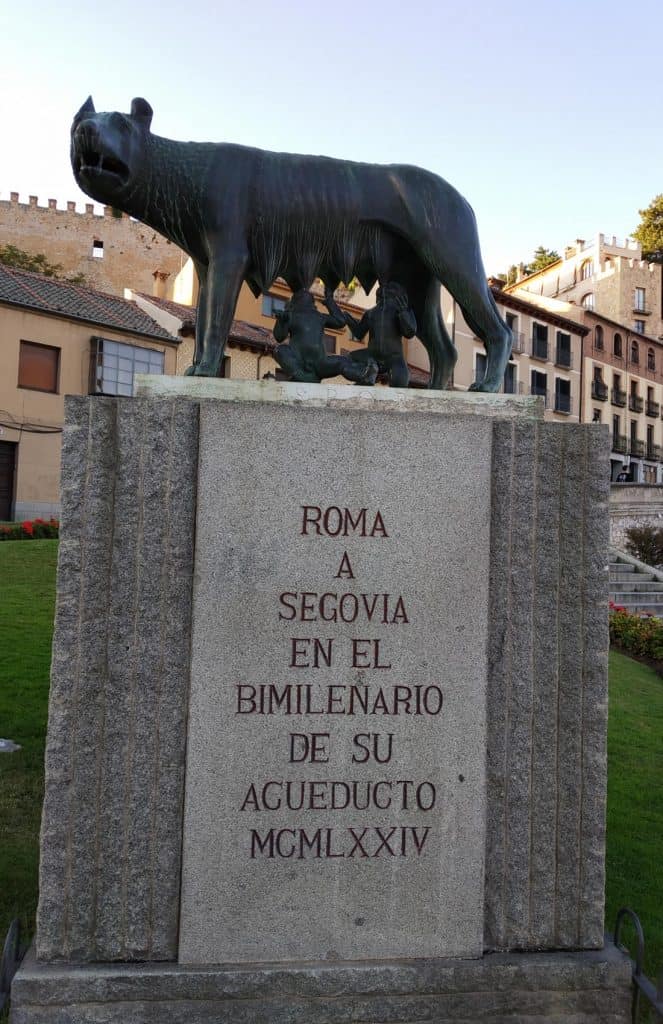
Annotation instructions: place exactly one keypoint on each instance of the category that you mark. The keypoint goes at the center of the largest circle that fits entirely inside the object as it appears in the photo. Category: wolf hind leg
(424, 296)
(482, 317)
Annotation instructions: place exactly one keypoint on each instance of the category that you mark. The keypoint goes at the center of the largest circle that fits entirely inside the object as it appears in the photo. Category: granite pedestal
(328, 712)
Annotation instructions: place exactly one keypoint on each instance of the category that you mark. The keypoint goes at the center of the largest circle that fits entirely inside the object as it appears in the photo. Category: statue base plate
(521, 988)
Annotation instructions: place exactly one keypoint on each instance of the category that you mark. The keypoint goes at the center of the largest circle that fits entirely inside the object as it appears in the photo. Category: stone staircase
(634, 585)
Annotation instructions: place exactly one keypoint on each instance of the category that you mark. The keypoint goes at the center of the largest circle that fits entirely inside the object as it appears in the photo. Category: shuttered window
(38, 367)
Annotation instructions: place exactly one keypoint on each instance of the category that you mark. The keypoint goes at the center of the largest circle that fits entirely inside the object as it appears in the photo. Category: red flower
(27, 527)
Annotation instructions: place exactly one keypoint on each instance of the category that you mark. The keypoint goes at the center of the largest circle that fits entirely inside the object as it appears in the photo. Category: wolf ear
(87, 108)
(141, 111)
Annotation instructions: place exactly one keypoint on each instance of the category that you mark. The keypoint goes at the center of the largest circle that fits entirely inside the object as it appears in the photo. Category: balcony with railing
(562, 402)
(637, 447)
(539, 348)
(654, 452)
(640, 310)
(518, 342)
(635, 403)
(652, 408)
(542, 393)
(618, 397)
(599, 391)
(620, 444)
(564, 357)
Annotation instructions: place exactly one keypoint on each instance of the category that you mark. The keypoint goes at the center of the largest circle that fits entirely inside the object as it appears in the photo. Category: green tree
(649, 232)
(541, 259)
(12, 256)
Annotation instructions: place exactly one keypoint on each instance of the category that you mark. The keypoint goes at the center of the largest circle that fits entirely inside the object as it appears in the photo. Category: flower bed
(30, 529)
(641, 636)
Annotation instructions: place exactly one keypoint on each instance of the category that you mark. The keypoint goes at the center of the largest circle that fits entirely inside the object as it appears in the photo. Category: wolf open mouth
(91, 163)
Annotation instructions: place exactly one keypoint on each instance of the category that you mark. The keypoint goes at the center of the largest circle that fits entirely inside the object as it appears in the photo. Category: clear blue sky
(547, 117)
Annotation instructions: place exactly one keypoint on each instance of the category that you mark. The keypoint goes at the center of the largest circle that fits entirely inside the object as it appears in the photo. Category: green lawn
(27, 592)
(27, 584)
(635, 802)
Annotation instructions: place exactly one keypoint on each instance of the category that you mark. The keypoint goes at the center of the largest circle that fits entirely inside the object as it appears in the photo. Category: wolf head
(108, 150)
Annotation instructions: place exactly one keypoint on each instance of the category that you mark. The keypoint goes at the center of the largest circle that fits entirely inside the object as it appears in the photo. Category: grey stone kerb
(112, 822)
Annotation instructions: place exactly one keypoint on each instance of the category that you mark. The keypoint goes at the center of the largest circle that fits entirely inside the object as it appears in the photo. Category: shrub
(635, 634)
(30, 529)
(646, 543)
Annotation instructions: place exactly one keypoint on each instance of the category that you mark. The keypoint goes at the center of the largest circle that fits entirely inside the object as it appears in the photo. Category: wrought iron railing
(12, 954)
(618, 397)
(642, 986)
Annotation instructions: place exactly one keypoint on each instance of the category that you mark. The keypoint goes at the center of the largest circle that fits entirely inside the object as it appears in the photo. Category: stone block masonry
(547, 689)
(113, 814)
(502, 988)
(380, 767)
(128, 253)
(115, 758)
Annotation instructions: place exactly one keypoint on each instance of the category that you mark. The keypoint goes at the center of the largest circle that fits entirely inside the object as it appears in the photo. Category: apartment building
(608, 276)
(546, 359)
(57, 339)
(623, 387)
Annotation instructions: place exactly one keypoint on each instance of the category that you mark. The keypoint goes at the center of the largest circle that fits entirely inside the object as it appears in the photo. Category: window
(617, 346)
(562, 395)
(639, 300)
(639, 326)
(615, 426)
(651, 359)
(635, 352)
(38, 367)
(98, 249)
(587, 301)
(510, 382)
(596, 416)
(114, 365)
(512, 324)
(586, 270)
(330, 344)
(539, 383)
(598, 337)
(271, 304)
(539, 341)
(563, 356)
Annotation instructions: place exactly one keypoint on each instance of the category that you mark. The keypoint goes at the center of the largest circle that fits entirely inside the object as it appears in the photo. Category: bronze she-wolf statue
(244, 214)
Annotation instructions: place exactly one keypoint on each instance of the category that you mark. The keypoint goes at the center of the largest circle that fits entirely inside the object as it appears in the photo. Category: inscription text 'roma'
(341, 522)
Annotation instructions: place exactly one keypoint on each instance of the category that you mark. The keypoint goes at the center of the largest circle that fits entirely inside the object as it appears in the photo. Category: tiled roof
(76, 302)
(241, 332)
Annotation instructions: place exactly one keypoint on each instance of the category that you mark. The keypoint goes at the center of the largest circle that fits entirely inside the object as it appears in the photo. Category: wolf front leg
(219, 291)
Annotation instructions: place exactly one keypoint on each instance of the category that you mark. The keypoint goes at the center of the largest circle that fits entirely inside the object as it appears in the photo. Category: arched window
(587, 300)
(635, 352)
(651, 359)
(586, 269)
(598, 337)
(617, 346)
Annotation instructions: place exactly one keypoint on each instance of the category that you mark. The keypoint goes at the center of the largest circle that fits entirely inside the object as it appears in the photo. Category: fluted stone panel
(547, 696)
(111, 829)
